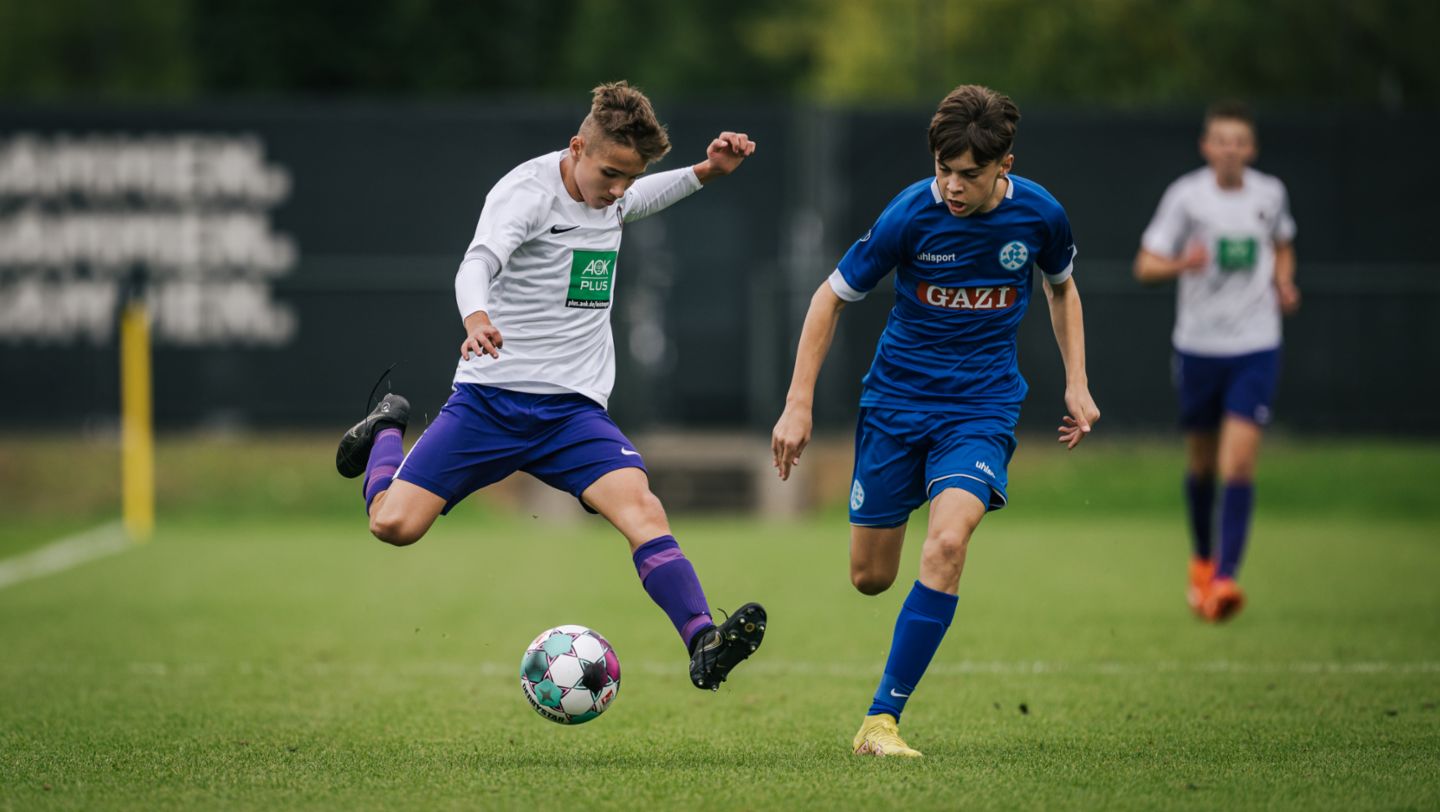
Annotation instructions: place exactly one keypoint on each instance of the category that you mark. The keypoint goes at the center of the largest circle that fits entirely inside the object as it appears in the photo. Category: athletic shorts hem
(601, 470)
(881, 525)
(989, 495)
(431, 486)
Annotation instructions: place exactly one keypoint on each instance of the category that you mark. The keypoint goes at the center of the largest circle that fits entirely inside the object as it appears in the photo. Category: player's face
(969, 188)
(1228, 147)
(601, 170)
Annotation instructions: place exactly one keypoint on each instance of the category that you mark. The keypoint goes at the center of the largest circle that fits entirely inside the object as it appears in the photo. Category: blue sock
(1234, 526)
(385, 457)
(669, 578)
(1200, 499)
(918, 632)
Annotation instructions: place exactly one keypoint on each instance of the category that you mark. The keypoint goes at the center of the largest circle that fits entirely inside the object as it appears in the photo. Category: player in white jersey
(1224, 231)
(538, 362)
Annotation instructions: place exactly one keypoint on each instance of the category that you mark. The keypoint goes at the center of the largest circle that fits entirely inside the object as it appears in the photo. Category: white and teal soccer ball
(570, 674)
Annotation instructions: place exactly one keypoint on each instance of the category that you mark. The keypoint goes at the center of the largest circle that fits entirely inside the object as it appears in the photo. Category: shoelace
(370, 398)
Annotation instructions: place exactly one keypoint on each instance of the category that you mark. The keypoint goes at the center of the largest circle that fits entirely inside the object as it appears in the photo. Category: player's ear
(577, 146)
(1007, 163)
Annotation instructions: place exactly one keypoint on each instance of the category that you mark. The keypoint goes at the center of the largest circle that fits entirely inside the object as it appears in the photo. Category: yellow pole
(137, 433)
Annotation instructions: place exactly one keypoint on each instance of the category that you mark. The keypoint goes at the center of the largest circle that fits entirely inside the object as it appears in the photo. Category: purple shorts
(484, 434)
(1213, 386)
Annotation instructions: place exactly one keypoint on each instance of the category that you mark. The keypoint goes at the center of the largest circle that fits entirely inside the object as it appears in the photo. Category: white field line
(774, 668)
(58, 556)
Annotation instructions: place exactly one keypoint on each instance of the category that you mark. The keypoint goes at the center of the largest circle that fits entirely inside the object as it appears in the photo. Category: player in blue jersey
(538, 362)
(941, 399)
(1225, 233)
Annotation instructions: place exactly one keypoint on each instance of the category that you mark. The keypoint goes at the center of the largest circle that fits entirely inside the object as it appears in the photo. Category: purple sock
(385, 457)
(1200, 498)
(1235, 510)
(670, 579)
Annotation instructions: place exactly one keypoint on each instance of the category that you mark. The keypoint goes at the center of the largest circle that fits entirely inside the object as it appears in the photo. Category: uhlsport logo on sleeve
(592, 279)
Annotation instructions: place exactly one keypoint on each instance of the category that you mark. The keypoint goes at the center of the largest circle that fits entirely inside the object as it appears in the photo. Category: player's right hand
(481, 337)
(791, 435)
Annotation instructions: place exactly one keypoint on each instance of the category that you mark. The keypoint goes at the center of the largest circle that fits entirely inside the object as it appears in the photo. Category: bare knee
(649, 509)
(869, 582)
(945, 548)
(641, 517)
(392, 530)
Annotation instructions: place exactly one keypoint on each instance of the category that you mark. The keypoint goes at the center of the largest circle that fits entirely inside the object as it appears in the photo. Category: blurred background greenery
(1113, 52)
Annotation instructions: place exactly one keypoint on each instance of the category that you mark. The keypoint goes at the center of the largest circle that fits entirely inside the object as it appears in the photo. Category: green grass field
(263, 652)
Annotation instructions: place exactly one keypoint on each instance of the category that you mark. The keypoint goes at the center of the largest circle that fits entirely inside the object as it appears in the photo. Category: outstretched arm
(1069, 325)
(792, 432)
(724, 155)
(657, 192)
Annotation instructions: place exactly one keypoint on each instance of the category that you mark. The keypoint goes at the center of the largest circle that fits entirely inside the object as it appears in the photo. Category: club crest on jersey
(1014, 255)
(992, 298)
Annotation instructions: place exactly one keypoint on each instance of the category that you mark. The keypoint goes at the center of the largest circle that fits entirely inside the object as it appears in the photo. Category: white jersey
(551, 297)
(1229, 308)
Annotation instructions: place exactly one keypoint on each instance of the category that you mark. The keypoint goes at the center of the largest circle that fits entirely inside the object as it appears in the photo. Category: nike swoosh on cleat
(898, 695)
(562, 229)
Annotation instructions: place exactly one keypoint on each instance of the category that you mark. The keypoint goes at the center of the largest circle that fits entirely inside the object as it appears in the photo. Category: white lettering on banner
(53, 313)
(991, 298)
(80, 214)
(181, 168)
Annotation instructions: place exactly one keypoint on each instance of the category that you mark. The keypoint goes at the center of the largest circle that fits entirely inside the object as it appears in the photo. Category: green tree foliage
(1114, 52)
(86, 50)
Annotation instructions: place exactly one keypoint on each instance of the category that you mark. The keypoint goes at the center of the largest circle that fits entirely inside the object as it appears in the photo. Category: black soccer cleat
(721, 648)
(354, 451)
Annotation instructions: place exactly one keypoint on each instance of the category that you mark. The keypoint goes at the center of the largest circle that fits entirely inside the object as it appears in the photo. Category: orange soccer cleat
(1223, 600)
(1201, 571)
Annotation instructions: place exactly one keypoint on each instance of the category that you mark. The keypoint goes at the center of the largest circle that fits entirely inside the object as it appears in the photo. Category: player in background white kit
(1224, 231)
(538, 362)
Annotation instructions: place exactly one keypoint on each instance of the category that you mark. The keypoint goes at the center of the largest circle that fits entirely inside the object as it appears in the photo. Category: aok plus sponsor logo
(592, 279)
(999, 297)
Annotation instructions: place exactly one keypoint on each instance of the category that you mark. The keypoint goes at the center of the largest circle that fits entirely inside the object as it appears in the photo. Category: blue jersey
(962, 284)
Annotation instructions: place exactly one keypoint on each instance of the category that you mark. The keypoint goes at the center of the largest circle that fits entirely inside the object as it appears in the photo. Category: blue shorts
(905, 458)
(484, 434)
(1213, 386)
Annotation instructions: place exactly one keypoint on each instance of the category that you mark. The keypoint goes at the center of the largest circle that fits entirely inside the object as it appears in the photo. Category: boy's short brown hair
(621, 113)
(1230, 110)
(977, 119)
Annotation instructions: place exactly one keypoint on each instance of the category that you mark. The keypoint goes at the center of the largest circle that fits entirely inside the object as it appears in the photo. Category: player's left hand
(1083, 415)
(1289, 297)
(724, 155)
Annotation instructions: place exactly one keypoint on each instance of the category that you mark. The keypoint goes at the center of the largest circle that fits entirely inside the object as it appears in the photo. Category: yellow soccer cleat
(880, 736)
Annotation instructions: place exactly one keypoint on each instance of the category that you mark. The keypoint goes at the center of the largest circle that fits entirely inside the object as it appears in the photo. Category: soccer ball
(570, 674)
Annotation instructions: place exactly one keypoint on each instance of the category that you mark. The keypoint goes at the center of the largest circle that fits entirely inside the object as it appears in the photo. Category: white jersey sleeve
(654, 193)
(513, 212)
(473, 280)
(1170, 228)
